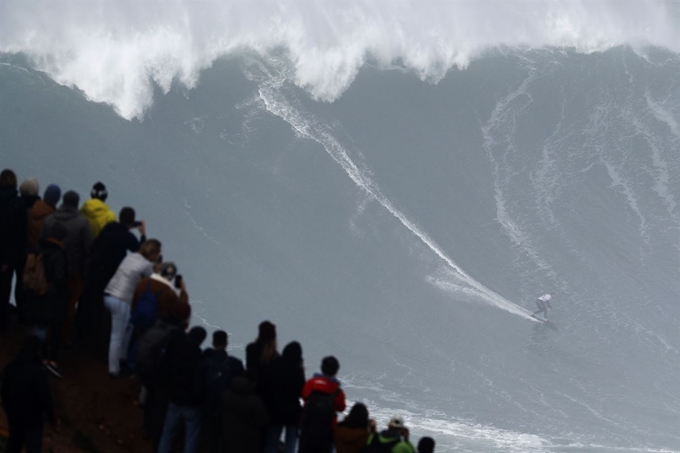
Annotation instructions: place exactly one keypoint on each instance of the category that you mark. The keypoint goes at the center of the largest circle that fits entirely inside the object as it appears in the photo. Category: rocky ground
(96, 413)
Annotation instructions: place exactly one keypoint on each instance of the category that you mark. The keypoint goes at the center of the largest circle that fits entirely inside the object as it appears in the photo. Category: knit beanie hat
(267, 331)
(99, 191)
(29, 188)
(52, 194)
(71, 199)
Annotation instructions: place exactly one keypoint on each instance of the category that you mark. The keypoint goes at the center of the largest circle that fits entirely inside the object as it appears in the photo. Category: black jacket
(13, 227)
(25, 391)
(243, 418)
(108, 250)
(280, 385)
(183, 371)
(219, 361)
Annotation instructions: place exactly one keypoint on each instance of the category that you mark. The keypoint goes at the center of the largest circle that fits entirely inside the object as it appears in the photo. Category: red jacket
(325, 384)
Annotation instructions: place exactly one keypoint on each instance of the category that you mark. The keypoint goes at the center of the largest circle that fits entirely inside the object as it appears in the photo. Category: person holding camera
(155, 296)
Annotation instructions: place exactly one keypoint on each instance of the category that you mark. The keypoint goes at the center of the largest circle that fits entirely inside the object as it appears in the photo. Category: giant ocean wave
(394, 185)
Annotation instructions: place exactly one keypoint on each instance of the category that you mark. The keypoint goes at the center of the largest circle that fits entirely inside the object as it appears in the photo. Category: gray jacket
(78, 237)
(123, 283)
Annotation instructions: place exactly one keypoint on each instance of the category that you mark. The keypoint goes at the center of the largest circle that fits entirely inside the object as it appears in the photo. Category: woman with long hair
(262, 351)
(280, 386)
(351, 434)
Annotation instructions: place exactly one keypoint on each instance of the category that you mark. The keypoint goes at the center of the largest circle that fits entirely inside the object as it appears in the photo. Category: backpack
(317, 421)
(33, 277)
(217, 378)
(146, 309)
(381, 447)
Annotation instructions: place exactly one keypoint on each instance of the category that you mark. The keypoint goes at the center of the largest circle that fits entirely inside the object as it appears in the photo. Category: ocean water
(394, 186)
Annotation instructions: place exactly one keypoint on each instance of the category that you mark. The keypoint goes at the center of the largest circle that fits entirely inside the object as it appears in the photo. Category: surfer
(543, 304)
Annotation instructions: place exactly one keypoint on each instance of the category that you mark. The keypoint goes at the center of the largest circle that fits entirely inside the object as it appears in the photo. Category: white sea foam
(114, 50)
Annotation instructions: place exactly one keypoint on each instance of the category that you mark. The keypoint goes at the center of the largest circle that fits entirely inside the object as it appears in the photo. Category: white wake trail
(307, 126)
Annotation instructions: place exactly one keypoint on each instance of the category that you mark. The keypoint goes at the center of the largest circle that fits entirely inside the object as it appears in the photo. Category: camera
(136, 224)
(178, 282)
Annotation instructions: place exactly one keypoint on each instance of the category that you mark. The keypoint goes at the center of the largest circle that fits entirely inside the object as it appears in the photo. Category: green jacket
(388, 436)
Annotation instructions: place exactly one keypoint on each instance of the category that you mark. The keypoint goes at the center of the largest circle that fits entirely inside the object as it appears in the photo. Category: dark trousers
(93, 320)
(212, 433)
(155, 410)
(5, 292)
(24, 436)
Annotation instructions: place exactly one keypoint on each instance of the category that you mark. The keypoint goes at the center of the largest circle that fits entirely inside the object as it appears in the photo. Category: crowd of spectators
(83, 278)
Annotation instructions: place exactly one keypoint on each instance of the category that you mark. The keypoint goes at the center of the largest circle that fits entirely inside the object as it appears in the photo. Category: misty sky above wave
(115, 50)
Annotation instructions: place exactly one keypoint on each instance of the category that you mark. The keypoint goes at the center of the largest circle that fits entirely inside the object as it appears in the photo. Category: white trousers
(121, 331)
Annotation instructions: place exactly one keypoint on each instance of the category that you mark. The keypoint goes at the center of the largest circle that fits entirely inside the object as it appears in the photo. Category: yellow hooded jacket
(98, 214)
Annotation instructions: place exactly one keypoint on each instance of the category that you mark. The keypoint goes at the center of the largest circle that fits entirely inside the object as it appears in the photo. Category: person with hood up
(12, 239)
(323, 399)
(118, 296)
(351, 434)
(77, 245)
(40, 210)
(243, 418)
(26, 398)
(28, 190)
(395, 437)
(280, 386)
(96, 211)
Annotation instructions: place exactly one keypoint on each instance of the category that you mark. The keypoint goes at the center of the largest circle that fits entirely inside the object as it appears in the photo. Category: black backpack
(381, 447)
(218, 377)
(317, 421)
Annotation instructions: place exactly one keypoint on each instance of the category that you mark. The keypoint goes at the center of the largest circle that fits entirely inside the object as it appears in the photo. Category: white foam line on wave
(312, 129)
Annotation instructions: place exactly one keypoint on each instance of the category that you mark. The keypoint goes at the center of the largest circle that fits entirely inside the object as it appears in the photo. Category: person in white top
(118, 298)
(543, 304)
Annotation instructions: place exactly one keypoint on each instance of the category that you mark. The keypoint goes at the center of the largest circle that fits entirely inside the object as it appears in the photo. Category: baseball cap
(396, 422)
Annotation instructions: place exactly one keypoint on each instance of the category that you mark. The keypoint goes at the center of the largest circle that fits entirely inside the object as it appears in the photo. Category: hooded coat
(98, 214)
(78, 237)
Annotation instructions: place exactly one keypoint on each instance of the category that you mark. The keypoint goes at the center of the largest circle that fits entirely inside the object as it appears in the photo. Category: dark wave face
(408, 227)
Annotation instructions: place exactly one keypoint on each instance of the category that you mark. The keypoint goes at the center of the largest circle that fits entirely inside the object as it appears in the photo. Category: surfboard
(540, 318)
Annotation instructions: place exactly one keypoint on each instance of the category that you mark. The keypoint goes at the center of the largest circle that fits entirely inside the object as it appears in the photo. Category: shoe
(54, 369)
